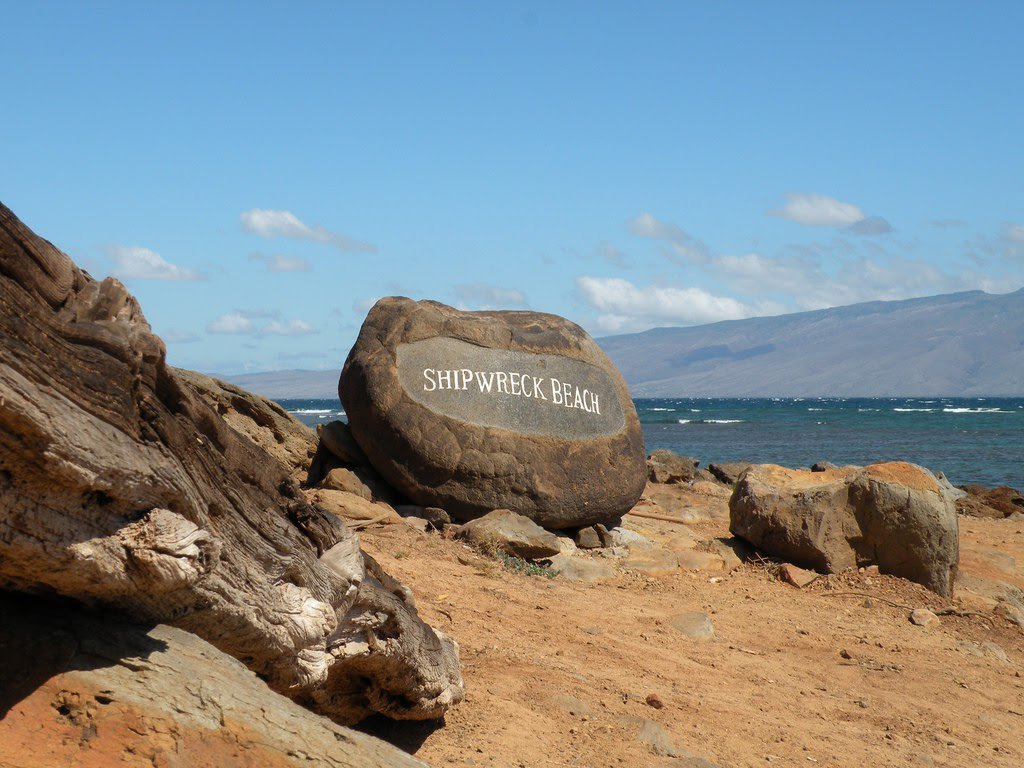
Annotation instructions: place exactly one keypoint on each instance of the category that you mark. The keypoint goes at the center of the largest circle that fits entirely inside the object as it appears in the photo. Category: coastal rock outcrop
(93, 691)
(122, 486)
(729, 472)
(668, 467)
(894, 515)
(1001, 501)
(475, 411)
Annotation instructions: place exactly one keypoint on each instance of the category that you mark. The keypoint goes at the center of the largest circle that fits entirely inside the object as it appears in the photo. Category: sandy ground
(558, 673)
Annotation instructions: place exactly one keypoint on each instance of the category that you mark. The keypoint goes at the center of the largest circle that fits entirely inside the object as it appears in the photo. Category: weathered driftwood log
(95, 691)
(121, 486)
(263, 421)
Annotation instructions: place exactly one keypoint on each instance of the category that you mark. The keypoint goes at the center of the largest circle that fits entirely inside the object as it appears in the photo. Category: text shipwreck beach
(513, 383)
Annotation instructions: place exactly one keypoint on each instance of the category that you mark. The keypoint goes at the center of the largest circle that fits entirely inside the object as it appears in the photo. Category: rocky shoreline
(189, 576)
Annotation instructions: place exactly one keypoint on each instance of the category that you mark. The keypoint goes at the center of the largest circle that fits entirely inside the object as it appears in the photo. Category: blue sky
(259, 173)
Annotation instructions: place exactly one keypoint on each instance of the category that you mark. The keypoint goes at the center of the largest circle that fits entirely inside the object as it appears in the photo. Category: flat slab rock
(505, 531)
(93, 691)
(475, 411)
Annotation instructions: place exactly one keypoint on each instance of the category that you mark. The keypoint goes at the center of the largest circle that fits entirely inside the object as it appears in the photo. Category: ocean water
(972, 440)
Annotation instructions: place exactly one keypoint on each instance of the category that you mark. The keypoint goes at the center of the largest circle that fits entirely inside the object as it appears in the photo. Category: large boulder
(122, 485)
(475, 411)
(894, 515)
(94, 691)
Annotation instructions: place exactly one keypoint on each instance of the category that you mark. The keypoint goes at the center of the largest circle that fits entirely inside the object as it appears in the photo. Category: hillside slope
(956, 344)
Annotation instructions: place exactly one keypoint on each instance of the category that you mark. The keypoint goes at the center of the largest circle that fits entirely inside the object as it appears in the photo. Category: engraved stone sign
(475, 411)
(521, 391)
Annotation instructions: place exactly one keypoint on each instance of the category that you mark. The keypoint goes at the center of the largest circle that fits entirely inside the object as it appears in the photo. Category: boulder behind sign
(474, 411)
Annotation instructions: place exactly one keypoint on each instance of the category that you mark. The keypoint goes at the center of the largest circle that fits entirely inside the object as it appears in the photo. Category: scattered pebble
(655, 701)
(695, 625)
(922, 617)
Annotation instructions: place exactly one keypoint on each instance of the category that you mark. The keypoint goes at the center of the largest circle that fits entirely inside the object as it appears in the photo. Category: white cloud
(611, 254)
(819, 211)
(177, 336)
(363, 306)
(135, 262)
(683, 248)
(272, 223)
(486, 296)
(625, 307)
(231, 323)
(287, 328)
(277, 263)
(872, 225)
(1014, 233)
(258, 322)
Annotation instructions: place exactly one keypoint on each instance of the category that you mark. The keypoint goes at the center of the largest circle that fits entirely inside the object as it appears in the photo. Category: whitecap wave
(722, 421)
(974, 410)
(313, 411)
(915, 410)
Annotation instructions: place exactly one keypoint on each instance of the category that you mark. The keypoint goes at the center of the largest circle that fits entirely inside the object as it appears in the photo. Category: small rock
(513, 534)
(694, 624)
(657, 738)
(922, 617)
(664, 466)
(437, 517)
(581, 568)
(588, 538)
(341, 479)
(984, 650)
(845, 654)
(571, 704)
(336, 438)
(651, 561)
(623, 537)
(693, 560)
(733, 551)
(594, 630)
(653, 700)
(729, 473)
(798, 577)
(822, 466)
(1011, 613)
(680, 541)
(566, 543)
(416, 522)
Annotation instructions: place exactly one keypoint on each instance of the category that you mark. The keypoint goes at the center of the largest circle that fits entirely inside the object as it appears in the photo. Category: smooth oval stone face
(475, 411)
(520, 391)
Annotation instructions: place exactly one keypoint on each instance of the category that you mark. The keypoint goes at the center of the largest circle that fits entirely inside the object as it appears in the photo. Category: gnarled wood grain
(120, 485)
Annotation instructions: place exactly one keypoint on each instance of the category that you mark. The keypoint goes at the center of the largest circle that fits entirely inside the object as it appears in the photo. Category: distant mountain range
(959, 344)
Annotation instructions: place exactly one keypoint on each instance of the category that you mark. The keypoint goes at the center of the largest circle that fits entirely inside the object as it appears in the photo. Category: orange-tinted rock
(895, 515)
